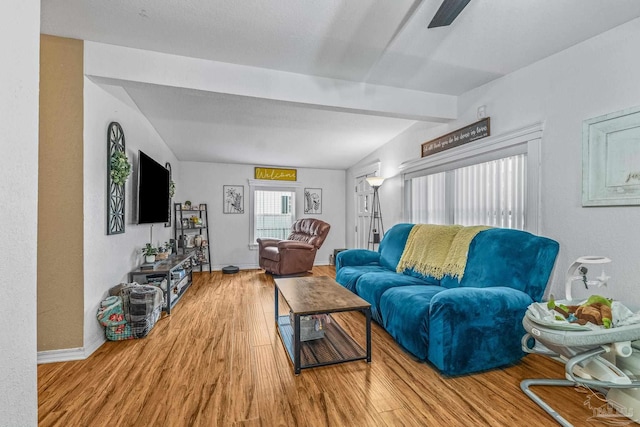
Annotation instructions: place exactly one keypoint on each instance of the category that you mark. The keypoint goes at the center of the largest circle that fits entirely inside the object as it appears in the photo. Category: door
(364, 197)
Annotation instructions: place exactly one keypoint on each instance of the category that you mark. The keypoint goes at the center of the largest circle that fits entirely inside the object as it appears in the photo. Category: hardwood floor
(218, 361)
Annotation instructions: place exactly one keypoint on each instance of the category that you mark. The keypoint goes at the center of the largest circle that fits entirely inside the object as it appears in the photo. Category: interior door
(364, 197)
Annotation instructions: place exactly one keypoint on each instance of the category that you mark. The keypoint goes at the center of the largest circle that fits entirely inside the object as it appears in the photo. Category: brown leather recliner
(297, 253)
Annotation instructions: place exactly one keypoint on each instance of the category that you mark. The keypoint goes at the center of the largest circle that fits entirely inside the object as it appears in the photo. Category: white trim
(94, 344)
(69, 354)
(371, 168)
(476, 148)
(64, 355)
(265, 183)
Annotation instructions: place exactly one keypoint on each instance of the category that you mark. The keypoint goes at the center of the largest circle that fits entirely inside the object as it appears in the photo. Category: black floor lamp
(376, 228)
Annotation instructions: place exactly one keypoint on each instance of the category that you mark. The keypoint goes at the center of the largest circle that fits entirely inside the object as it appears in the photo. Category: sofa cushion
(405, 311)
(371, 286)
(512, 258)
(348, 276)
(392, 245)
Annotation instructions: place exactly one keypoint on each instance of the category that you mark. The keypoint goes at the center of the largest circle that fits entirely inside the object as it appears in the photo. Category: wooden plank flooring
(218, 361)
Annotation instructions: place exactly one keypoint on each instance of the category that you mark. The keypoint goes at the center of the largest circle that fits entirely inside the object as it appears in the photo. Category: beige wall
(60, 208)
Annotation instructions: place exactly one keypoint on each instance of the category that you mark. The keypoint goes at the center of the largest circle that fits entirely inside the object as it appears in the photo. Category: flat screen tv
(153, 191)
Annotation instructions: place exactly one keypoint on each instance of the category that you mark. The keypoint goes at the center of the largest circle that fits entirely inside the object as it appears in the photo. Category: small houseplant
(120, 167)
(149, 253)
(163, 251)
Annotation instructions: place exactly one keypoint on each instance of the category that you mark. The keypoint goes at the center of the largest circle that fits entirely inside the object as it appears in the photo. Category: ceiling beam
(135, 65)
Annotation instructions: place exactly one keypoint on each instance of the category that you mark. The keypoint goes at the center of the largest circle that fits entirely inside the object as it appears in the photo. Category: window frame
(526, 140)
(268, 185)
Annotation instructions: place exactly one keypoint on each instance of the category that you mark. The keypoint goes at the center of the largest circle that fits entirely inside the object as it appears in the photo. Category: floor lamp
(376, 228)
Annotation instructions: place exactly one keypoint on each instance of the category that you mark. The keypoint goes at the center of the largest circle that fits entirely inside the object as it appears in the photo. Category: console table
(173, 276)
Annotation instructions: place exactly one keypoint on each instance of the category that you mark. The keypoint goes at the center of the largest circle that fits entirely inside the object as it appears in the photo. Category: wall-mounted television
(153, 191)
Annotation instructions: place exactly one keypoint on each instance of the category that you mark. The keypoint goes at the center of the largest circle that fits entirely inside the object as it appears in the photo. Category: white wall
(229, 233)
(20, 47)
(593, 78)
(108, 259)
(400, 149)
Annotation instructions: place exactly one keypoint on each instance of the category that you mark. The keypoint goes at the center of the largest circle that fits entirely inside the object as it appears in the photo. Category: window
(271, 209)
(273, 213)
(492, 182)
(490, 193)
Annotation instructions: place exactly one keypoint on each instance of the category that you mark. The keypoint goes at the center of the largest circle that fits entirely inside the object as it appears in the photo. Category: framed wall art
(313, 200)
(233, 199)
(611, 159)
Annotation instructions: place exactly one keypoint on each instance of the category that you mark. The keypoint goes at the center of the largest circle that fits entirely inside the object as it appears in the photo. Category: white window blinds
(490, 193)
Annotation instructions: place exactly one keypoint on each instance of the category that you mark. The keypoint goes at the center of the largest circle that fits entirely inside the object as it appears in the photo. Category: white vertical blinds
(490, 193)
(428, 199)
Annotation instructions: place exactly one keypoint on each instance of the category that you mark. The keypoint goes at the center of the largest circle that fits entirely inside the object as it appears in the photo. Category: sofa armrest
(352, 257)
(474, 329)
(264, 243)
(294, 244)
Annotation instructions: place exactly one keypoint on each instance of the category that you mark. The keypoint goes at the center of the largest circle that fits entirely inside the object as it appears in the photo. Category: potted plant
(187, 205)
(120, 167)
(163, 251)
(149, 253)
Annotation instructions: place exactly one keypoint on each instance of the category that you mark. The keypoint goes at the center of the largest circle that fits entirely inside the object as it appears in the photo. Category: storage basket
(132, 312)
(311, 327)
(111, 315)
(143, 305)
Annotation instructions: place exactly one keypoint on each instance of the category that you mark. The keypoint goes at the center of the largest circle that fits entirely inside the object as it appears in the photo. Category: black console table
(173, 275)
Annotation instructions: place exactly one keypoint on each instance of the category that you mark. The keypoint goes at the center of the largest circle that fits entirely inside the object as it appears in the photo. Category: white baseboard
(240, 266)
(69, 354)
(63, 355)
(94, 344)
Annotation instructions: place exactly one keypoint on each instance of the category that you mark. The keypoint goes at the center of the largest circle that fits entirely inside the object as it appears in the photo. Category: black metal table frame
(296, 336)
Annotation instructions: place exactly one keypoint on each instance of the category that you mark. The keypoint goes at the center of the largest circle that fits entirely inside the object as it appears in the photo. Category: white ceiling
(379, 42)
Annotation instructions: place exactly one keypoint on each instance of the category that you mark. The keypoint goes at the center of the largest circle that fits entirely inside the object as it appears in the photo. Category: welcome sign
(276, 174)
(467, 134)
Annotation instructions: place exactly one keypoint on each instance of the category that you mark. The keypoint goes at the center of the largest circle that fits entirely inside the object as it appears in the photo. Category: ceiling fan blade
(448, 11)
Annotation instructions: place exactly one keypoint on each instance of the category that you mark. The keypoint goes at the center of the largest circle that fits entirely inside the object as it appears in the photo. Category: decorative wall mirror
(115, 183)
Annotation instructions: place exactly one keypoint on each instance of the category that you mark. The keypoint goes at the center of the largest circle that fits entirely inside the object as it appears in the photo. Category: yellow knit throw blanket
(456, 260)
(427, 248)
(438, 250)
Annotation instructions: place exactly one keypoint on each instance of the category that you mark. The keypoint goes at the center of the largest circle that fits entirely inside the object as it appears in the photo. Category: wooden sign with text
(473, 132)
(276, 174)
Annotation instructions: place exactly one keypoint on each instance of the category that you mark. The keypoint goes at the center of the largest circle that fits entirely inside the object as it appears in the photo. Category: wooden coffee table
(319, 295)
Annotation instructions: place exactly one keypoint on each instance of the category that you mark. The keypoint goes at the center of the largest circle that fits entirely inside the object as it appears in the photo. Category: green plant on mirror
(172, 188)
(120, 167)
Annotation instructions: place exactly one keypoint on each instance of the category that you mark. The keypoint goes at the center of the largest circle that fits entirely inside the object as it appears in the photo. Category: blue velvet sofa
(460, 325)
